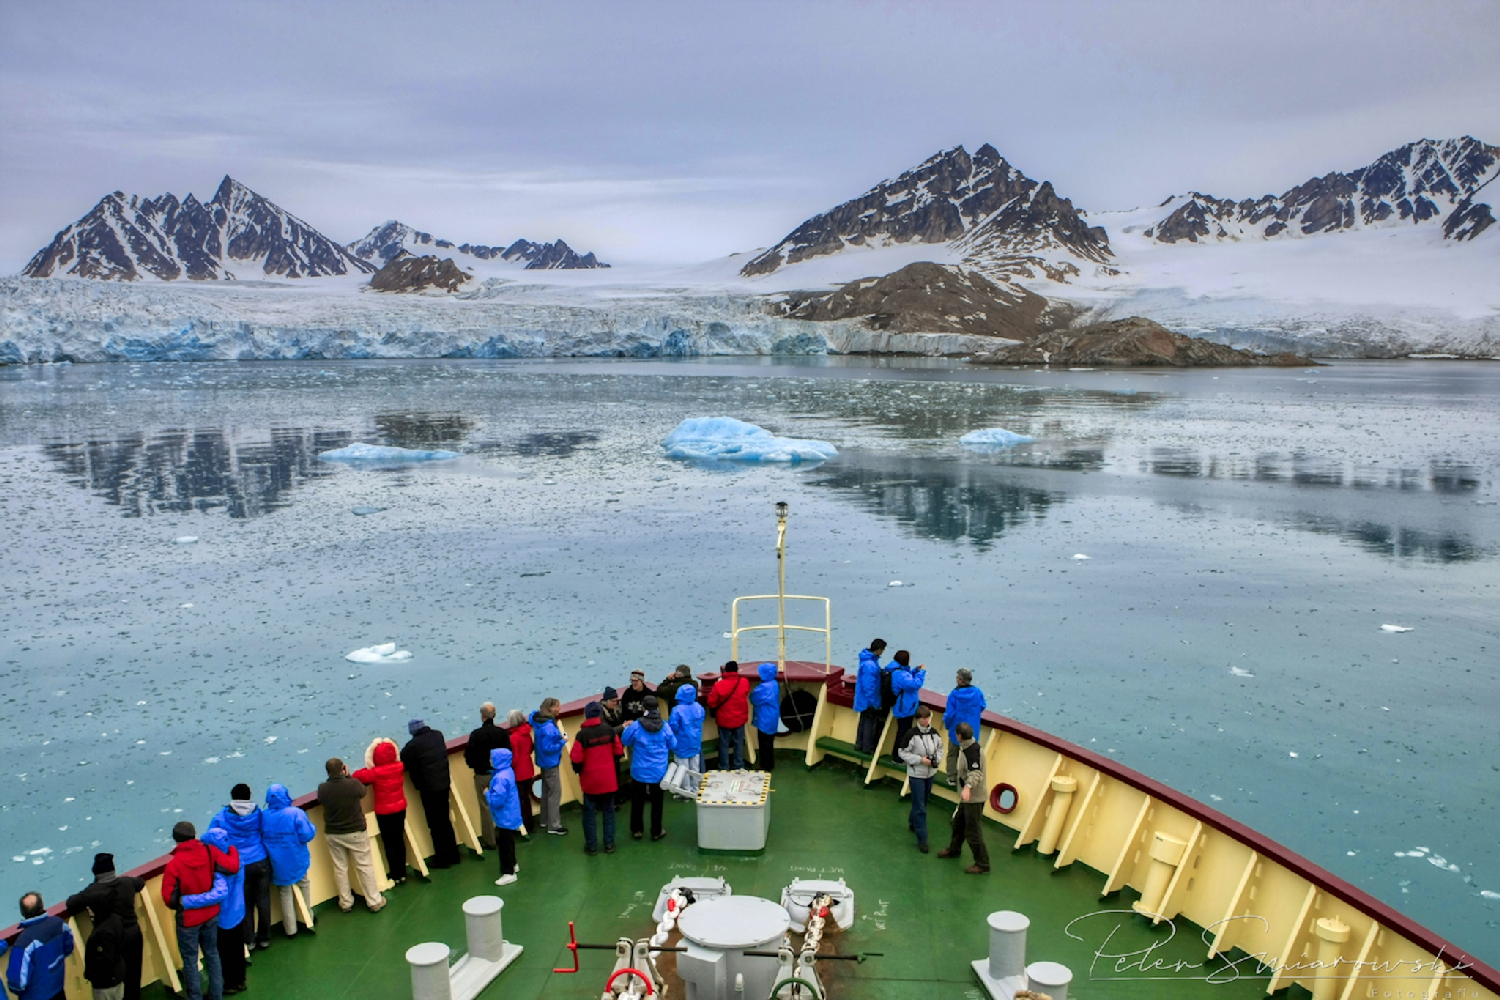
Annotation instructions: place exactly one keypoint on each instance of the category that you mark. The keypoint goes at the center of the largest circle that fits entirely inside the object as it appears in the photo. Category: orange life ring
(1000, 790)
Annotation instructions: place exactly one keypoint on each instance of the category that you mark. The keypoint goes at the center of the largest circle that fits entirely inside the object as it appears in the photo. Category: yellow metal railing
(780, 627)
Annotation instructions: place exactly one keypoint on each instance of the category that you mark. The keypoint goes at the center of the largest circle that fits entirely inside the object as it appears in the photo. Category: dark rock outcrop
(1133, 342)
(237, 233)
(951, 195)
(931, 298)
(406, 273)
(390, 239)
(1418, 182)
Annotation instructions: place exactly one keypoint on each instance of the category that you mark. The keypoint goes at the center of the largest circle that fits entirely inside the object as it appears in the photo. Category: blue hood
(503, 797)
(277, 797)
(687, 695)
(500, 759)
(767, 671)
(244, 832)
(765, 699)
(215, 837)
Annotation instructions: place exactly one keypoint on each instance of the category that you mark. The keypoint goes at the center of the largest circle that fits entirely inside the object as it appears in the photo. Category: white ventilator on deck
(718, 932)
(682, 780)
(1005, 973)
(798, 897)
(489, 954)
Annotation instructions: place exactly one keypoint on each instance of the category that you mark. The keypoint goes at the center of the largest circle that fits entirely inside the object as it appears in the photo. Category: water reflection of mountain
(1395, 540)
(181, 470)
(937, 499)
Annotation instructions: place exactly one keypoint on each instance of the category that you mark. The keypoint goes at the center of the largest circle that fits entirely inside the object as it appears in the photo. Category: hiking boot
(947, 853)
(922, 848)
(609, 848)
(976, 870)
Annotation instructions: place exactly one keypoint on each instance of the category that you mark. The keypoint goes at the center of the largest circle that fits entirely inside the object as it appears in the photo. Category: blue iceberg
(380, 454)
(730, 440)
(993, 439)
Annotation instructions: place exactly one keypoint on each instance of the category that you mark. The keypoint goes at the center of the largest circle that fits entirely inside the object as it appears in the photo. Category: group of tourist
(219, 884)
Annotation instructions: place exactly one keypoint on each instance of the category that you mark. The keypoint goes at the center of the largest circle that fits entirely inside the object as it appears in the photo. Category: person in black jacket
(104, 954)
(111, 893)
(633, 699)
(477, 755)
(426, 758)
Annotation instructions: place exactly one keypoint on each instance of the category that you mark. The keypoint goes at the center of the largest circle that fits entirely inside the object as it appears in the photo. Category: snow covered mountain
(391, 238)
(991, 212)
(236, 234)
(1428, 181)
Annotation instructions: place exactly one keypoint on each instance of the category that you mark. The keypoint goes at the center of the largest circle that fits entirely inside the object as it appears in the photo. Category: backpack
(887, 691)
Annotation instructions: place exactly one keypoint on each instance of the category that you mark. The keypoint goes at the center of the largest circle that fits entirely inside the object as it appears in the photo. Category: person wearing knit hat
(115, 894)
(426, 759)
(614, 718)
(632, 697)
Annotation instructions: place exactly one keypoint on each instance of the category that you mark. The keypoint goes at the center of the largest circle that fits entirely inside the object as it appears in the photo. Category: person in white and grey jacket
(921, 753)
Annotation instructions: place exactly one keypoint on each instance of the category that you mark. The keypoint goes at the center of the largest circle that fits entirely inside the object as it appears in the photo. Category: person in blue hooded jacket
(965, 704)
(650, 740)
(241, 820)
(504, 800)
(907, 682)
(686, 723)
(286, 832)
(765, 701)
(867, 701)
(229, 893)
(547, 744)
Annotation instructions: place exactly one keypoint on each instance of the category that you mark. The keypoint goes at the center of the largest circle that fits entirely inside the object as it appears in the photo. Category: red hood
(385, 753)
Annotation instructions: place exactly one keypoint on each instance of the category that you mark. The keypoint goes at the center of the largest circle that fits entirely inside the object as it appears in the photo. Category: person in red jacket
(729, 702)
(595, 755)
(384, 770)
(190, 871)
(520, 753)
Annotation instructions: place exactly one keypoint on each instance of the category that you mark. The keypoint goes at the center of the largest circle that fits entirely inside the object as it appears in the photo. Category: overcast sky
(679, 132)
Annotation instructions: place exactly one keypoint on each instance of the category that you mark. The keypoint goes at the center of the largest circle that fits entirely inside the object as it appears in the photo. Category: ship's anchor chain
(799, 980)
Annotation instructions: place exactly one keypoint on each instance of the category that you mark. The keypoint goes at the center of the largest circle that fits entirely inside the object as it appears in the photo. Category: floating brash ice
(993, 439)
(731, 440)
(386, 652)
(381, 454)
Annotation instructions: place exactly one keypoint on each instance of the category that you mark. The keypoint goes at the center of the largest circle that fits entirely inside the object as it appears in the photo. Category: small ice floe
(895, 583)
(210, 760)
(1080, 555)
(187, 605)
(1291, 753)
(1394, 628)
(1240, 672)
(366, 511)
(269, 740)
(185, 540)
(1489, 894)
(993, 439)
(386, 652)
(725, 439)
(381, 454)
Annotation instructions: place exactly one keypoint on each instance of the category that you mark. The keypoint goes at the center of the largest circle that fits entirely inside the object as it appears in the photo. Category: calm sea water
(1247, 533)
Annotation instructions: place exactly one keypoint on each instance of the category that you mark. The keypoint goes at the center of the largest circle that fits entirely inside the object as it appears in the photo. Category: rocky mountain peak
(392, 238)
(996, 209)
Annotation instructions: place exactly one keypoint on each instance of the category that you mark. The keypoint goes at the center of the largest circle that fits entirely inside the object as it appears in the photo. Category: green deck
(924, 914)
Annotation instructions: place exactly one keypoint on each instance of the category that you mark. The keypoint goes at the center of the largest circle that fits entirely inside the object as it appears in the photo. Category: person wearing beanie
(104, 954)
(383, 770)
(39, 954)
(729, 702)
(426, 758)
(650, 741)
(548, 745)
(287, 831)
(666, 691)
(241, 821)
(344, 831)
(190, 872)
(595, 756)
(477, 755)
(114, 893)
(633, 698)
(519, 731)
(614, 718)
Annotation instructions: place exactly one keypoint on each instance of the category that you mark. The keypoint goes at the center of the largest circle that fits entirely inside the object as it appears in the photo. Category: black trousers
(505, 844)
(639, 793)
(132, 946)
(257, 905)
(966, 827)
(527, 820)
(765, 750)
(903, 726)
(232, 954)
(444, 844)
(871, 722)
(393, 839)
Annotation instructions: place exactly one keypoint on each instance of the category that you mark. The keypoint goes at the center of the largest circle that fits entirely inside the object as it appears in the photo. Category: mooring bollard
(1050, 978)
(482, 922)
(429, 971)
(1008, 943)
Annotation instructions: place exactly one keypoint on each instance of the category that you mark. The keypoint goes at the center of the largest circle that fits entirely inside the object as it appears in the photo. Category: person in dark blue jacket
(547, 743)
(686, 722)
(867, 698)
(765, 701)
(965, 704)
(649, 740)
(286, 832)
(907, 682)
(241, 820)
(504, 802)
(229, 893)
(38, 957)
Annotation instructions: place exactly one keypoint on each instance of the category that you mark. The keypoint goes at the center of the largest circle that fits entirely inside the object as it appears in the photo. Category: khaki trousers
(486, 818)
(344, 846)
